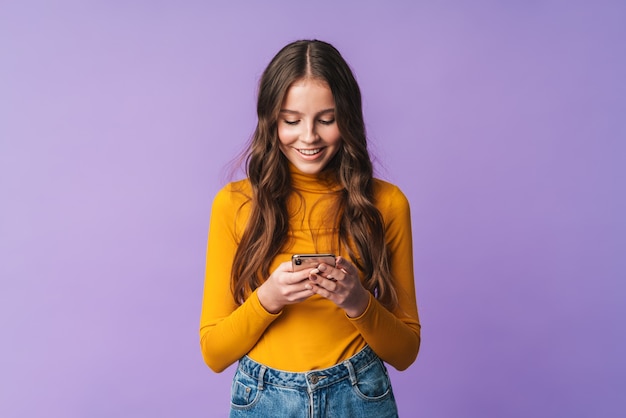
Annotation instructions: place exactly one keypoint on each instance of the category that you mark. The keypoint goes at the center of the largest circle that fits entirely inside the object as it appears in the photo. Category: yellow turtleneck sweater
(315, 333)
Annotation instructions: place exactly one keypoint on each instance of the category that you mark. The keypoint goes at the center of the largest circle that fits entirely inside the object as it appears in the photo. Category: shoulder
(388, 194)
(233, 195)
(394, 208)
(391, 202)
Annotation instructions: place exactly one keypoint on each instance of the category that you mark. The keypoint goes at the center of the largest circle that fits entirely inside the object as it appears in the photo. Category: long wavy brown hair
(361, 230)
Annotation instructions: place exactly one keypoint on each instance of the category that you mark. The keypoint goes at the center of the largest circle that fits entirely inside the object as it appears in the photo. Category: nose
(309, 136)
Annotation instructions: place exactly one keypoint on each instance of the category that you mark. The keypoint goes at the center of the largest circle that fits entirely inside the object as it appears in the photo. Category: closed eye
(291, 122)
(327, 122)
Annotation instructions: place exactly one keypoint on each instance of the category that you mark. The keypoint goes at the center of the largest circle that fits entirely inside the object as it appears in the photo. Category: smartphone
(311, 261)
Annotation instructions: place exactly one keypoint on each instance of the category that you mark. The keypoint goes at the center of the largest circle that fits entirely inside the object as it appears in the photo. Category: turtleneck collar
(316, 183)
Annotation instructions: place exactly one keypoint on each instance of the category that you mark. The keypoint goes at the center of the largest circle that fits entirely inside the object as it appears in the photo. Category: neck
(318, 182)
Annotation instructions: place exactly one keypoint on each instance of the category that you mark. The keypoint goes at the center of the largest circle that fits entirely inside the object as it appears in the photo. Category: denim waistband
(308, 380)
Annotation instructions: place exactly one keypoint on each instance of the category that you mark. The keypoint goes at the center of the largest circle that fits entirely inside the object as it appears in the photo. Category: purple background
(503, 122)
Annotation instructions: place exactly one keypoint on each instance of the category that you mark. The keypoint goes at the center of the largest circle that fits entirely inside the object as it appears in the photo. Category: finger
(315, 276)
(306, 292)
(323, 292)
(326, 283)
(325, 270)
(316, 273)
(333, 274)
(296, 277)
(285, 266)
(329, 285)
(346, 266)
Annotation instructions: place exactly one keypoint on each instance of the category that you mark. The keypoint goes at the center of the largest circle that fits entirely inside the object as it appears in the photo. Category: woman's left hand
(341, 284)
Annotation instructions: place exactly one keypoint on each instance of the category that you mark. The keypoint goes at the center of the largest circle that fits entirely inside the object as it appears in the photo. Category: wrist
(360, 307)
(266, 301)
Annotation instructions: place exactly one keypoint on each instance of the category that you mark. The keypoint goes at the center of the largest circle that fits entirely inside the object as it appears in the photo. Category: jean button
(314, 379)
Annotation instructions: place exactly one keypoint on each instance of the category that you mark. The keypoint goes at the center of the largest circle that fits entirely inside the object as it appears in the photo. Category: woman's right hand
(284, 287)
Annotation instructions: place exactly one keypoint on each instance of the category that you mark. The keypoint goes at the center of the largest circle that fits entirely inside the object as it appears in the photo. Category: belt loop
(261, 374)
(350, 368)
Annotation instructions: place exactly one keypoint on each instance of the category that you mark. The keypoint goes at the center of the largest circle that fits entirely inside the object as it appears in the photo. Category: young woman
(310, 343)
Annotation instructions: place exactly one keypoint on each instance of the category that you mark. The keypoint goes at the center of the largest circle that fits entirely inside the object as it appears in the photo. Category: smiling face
(307, 130)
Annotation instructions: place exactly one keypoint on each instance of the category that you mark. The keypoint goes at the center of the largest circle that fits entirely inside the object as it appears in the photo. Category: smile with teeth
(310, 151)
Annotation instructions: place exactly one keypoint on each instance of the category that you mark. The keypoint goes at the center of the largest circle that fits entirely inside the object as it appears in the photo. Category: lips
(310, 152)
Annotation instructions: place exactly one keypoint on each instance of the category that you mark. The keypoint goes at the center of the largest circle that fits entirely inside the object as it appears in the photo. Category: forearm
(396, 341)
(227, 340)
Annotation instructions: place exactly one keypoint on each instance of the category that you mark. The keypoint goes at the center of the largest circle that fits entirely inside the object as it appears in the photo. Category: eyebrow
(295, 112)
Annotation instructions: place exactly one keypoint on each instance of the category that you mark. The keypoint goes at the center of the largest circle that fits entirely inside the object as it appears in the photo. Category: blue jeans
(358, 387)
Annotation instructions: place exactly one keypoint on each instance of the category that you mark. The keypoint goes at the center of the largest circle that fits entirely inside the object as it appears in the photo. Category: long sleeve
(315, 333)
(227, 331)
(395, 337)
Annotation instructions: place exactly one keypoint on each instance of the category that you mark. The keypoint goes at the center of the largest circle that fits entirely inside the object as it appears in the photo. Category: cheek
(281, 134)
(333, 136)
(285, 135)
